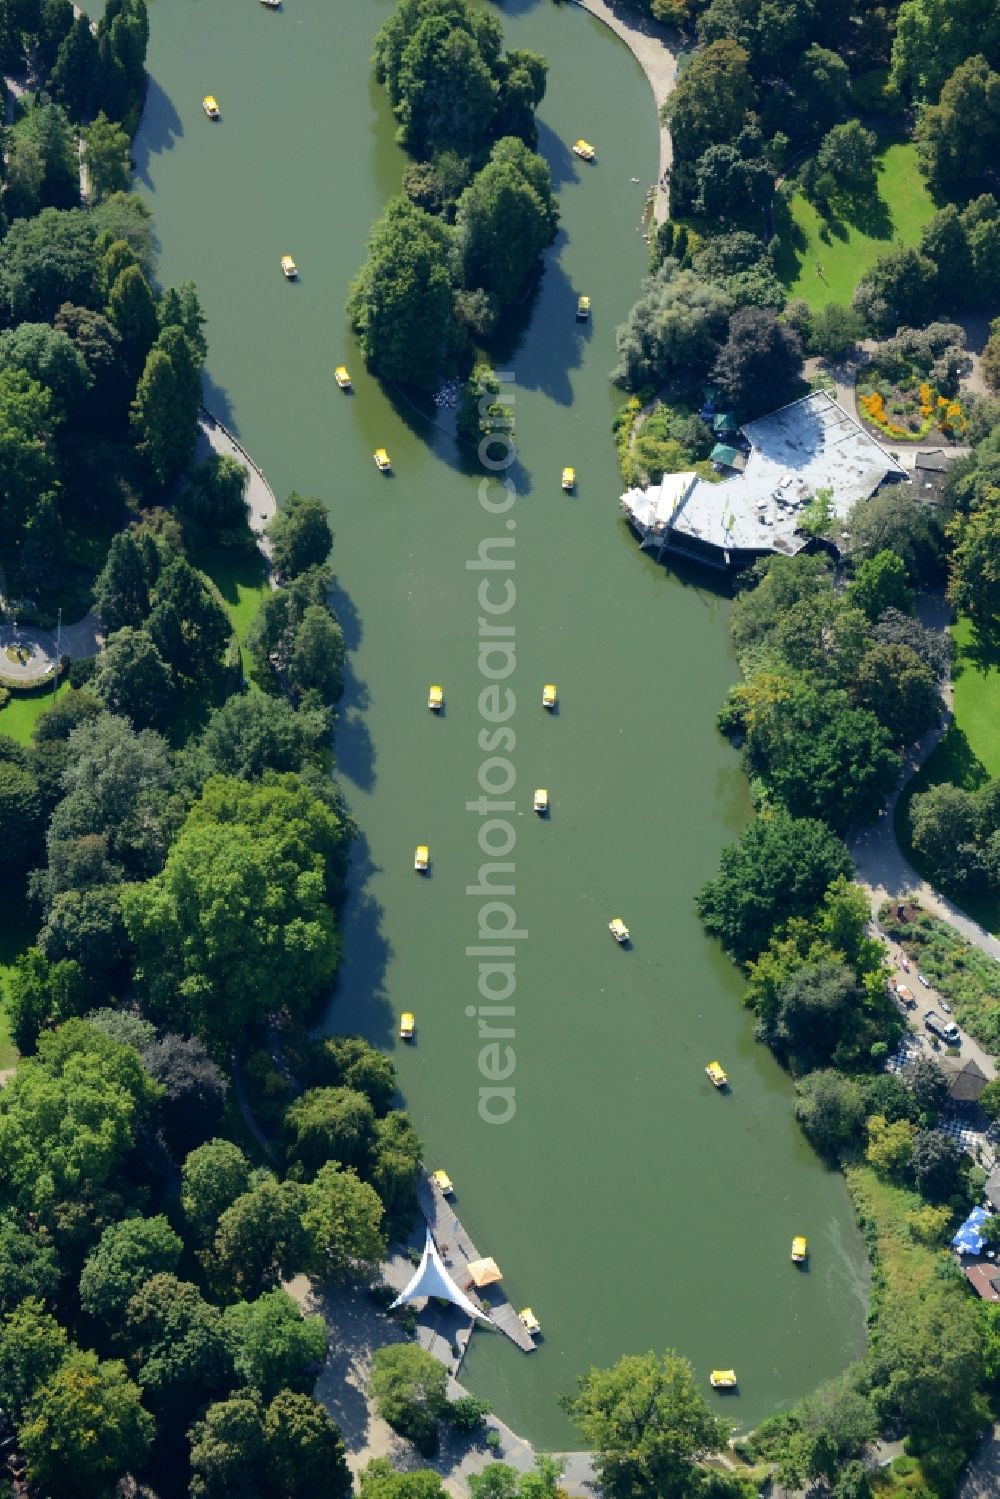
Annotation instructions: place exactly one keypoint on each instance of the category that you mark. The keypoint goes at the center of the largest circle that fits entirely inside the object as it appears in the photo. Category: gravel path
(649, 44)
(884, 871)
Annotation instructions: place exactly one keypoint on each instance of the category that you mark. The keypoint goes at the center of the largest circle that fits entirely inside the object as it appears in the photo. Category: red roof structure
(984, 1280)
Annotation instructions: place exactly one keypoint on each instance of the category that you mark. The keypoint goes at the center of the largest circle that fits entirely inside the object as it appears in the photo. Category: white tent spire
(432, 1279)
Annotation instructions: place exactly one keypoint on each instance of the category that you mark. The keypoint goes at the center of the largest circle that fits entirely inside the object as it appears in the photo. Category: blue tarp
(969, 1240)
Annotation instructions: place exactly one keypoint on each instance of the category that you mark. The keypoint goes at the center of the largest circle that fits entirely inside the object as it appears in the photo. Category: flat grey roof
(808, 445)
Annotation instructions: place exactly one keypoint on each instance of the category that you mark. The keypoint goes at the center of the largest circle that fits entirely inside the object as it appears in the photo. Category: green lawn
(821, 259)
(19, 717)
(969, 753)
(241, 579)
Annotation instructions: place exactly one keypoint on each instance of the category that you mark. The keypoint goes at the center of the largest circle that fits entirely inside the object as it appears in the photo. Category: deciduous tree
(780, 867)
(408, 1386)
(86, 1428)
(179, 1348)
(343, 1223)
(300, 535)
(305, 1450)
(32, 1346)
(759, 365)
(273, 1344)
(125, 1257)
(213, 1176)
(646, 1420)
(401, 303)
(106, 157)
(238, 924)
(133, 679)
(260, 1239)
(674, 329)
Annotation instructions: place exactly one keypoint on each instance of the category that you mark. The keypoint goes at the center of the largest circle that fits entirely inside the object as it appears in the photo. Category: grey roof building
(810, 445)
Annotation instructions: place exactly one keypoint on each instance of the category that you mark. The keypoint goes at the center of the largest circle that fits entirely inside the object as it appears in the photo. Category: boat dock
(458, 1251)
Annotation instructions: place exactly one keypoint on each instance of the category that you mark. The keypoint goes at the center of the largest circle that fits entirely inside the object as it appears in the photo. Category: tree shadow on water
(562, 163)
(216, 400)
(160, 128)
(359, 1001)
(354, 750)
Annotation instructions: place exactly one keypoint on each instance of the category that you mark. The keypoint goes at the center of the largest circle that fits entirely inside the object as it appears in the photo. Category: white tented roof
(432, 1279)
(809, 445)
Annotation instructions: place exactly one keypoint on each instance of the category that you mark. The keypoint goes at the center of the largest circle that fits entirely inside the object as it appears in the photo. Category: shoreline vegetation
(174, 849)
(457, 248)
(837, 681)
(179, 845)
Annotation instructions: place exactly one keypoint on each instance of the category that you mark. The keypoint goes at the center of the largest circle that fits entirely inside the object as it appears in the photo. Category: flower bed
(907, 410)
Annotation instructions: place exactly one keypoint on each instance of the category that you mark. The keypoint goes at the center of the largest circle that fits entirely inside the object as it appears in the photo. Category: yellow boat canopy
(723, 1377)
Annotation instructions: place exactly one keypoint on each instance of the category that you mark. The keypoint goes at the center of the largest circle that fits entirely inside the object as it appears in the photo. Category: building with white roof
(810, 445)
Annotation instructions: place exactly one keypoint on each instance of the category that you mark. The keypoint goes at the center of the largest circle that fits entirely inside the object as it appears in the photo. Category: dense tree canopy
(401, 302)
(214, 1175)
(125, 1256)
(67, 1117)
(646, 1420)
(300, 535)
(780, 867)
(675, 329)
(86, 1428)
(238, 924)
(504, 220)
(179, 1349)
(274, 1347)
(934, 36)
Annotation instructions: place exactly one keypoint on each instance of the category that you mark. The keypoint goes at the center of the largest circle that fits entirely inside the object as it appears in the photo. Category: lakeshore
(614, 1110)
(649, 44)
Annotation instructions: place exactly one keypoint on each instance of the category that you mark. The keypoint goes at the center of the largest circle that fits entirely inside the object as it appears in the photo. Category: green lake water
(630, 1204)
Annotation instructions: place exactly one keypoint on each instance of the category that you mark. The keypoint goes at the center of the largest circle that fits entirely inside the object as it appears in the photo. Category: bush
(467, 1413)
(81, 672)
(408, 1387)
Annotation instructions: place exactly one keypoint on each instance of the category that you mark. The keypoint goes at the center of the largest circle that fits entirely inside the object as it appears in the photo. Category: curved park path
(213, 437)
(885, 872)
(79, 641)
(649, 44)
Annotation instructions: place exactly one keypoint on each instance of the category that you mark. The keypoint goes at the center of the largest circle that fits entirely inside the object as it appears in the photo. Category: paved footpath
(885, 872)
(213, 437)
(649, 44)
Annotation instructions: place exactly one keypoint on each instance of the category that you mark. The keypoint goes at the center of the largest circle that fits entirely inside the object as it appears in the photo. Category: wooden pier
(457, 1251)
